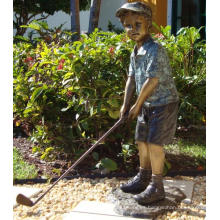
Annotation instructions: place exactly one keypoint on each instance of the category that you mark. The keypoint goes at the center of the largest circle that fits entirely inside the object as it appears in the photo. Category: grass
(197, 151)
(21, 169)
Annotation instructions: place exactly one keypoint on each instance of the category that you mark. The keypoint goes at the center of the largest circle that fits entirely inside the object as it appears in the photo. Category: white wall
(107, 12)
(61, 17)
(84, 21)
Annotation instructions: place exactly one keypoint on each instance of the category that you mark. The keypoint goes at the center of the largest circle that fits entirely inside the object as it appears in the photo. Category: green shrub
(70, 94)
(66, 94)
(107, 163)
(188, 60)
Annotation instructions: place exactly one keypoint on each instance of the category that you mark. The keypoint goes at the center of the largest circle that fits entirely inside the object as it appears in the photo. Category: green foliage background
(66, 94)
(187, 54)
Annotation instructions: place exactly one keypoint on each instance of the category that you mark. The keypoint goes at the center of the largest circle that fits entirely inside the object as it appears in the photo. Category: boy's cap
(138, 7)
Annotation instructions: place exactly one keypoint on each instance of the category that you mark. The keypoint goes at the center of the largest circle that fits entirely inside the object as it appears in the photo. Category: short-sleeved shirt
(152, 61)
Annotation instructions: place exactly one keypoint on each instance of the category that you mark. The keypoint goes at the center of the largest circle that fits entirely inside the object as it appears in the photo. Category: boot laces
(134, 179)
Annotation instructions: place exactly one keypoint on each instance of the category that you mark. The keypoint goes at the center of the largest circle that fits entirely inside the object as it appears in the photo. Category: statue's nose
(133, 29)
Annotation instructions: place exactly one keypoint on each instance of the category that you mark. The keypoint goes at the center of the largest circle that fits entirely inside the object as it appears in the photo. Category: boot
(153, 193)
(138, 183)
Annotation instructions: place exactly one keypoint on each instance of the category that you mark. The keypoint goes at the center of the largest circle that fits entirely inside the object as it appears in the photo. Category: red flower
(69, 93)
(111, 50)
(60, 66)
(159, 35)
(199, 168)
(61, 61)
(28, 59)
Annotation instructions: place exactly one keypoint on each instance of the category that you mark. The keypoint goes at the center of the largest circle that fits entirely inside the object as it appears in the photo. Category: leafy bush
(188, 60)
(107, 163)
(70, 93)
(41, 31)
(66, 94)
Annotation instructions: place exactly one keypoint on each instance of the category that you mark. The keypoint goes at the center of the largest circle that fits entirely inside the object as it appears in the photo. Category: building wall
(169, 12)
(159, 8)
(61, 17)
(107, 13)
(161, 12)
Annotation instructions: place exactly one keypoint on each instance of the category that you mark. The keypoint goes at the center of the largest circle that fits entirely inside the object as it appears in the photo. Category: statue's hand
(134, 112)
(123, 111)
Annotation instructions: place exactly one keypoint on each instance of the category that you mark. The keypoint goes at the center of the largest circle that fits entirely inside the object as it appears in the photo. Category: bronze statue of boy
(156, 106)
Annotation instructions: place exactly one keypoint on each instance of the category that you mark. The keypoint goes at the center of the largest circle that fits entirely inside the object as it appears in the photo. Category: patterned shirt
(152, 61)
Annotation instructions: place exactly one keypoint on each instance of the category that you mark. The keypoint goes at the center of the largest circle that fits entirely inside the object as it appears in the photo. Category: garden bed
(181, 164)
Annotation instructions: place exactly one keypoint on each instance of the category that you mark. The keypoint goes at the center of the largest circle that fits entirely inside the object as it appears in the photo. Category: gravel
(67, 194)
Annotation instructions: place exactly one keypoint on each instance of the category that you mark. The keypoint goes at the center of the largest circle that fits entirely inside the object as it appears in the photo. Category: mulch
(179, 163)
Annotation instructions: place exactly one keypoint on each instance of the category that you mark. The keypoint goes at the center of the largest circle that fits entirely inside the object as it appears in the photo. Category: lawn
(197, 151)
(22, 169)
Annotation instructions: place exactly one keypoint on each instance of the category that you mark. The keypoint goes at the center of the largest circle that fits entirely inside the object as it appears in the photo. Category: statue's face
(136, 26)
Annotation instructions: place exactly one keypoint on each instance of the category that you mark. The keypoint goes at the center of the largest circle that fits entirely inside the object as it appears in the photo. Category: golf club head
(23, 200)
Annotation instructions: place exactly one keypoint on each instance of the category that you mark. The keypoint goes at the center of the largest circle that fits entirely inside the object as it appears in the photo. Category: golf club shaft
(121, 120)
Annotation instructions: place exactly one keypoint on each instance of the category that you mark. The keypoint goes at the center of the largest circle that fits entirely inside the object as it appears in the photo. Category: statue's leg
(155, 190)
(157, 156)
(161, 129)
(144, 155)
(139, 183)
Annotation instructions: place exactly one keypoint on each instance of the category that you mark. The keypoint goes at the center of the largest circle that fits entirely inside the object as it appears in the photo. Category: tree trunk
(21, 20)
(75, 21)
(94, 15)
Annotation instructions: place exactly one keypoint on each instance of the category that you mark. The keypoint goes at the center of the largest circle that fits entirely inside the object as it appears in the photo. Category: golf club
(23, 200)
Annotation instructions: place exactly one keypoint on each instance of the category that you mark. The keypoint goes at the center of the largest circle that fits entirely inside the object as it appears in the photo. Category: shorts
(157, 125)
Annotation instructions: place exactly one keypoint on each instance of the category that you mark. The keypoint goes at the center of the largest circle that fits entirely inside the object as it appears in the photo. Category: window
(188, 13)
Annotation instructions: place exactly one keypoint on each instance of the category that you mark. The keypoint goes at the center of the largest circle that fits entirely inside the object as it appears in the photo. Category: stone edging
(123, 175)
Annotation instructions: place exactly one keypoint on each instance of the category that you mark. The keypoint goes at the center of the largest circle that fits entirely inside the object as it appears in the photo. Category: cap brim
(122, 10)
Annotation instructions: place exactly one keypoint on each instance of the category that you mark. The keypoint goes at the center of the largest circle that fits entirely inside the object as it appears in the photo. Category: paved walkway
(95, 211)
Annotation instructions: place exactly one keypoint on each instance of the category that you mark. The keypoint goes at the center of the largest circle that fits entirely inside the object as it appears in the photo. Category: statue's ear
(149, 23)
(122, 18)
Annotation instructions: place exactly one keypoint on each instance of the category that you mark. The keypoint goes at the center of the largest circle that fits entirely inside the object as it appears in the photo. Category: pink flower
(62, 61)
(111, 50)
(69, 94)
(28, 59)
(159, 35)
(60, 67)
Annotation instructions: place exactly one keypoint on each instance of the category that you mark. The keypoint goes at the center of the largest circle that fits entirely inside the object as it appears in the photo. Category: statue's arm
(146, 91)
(129, 91)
